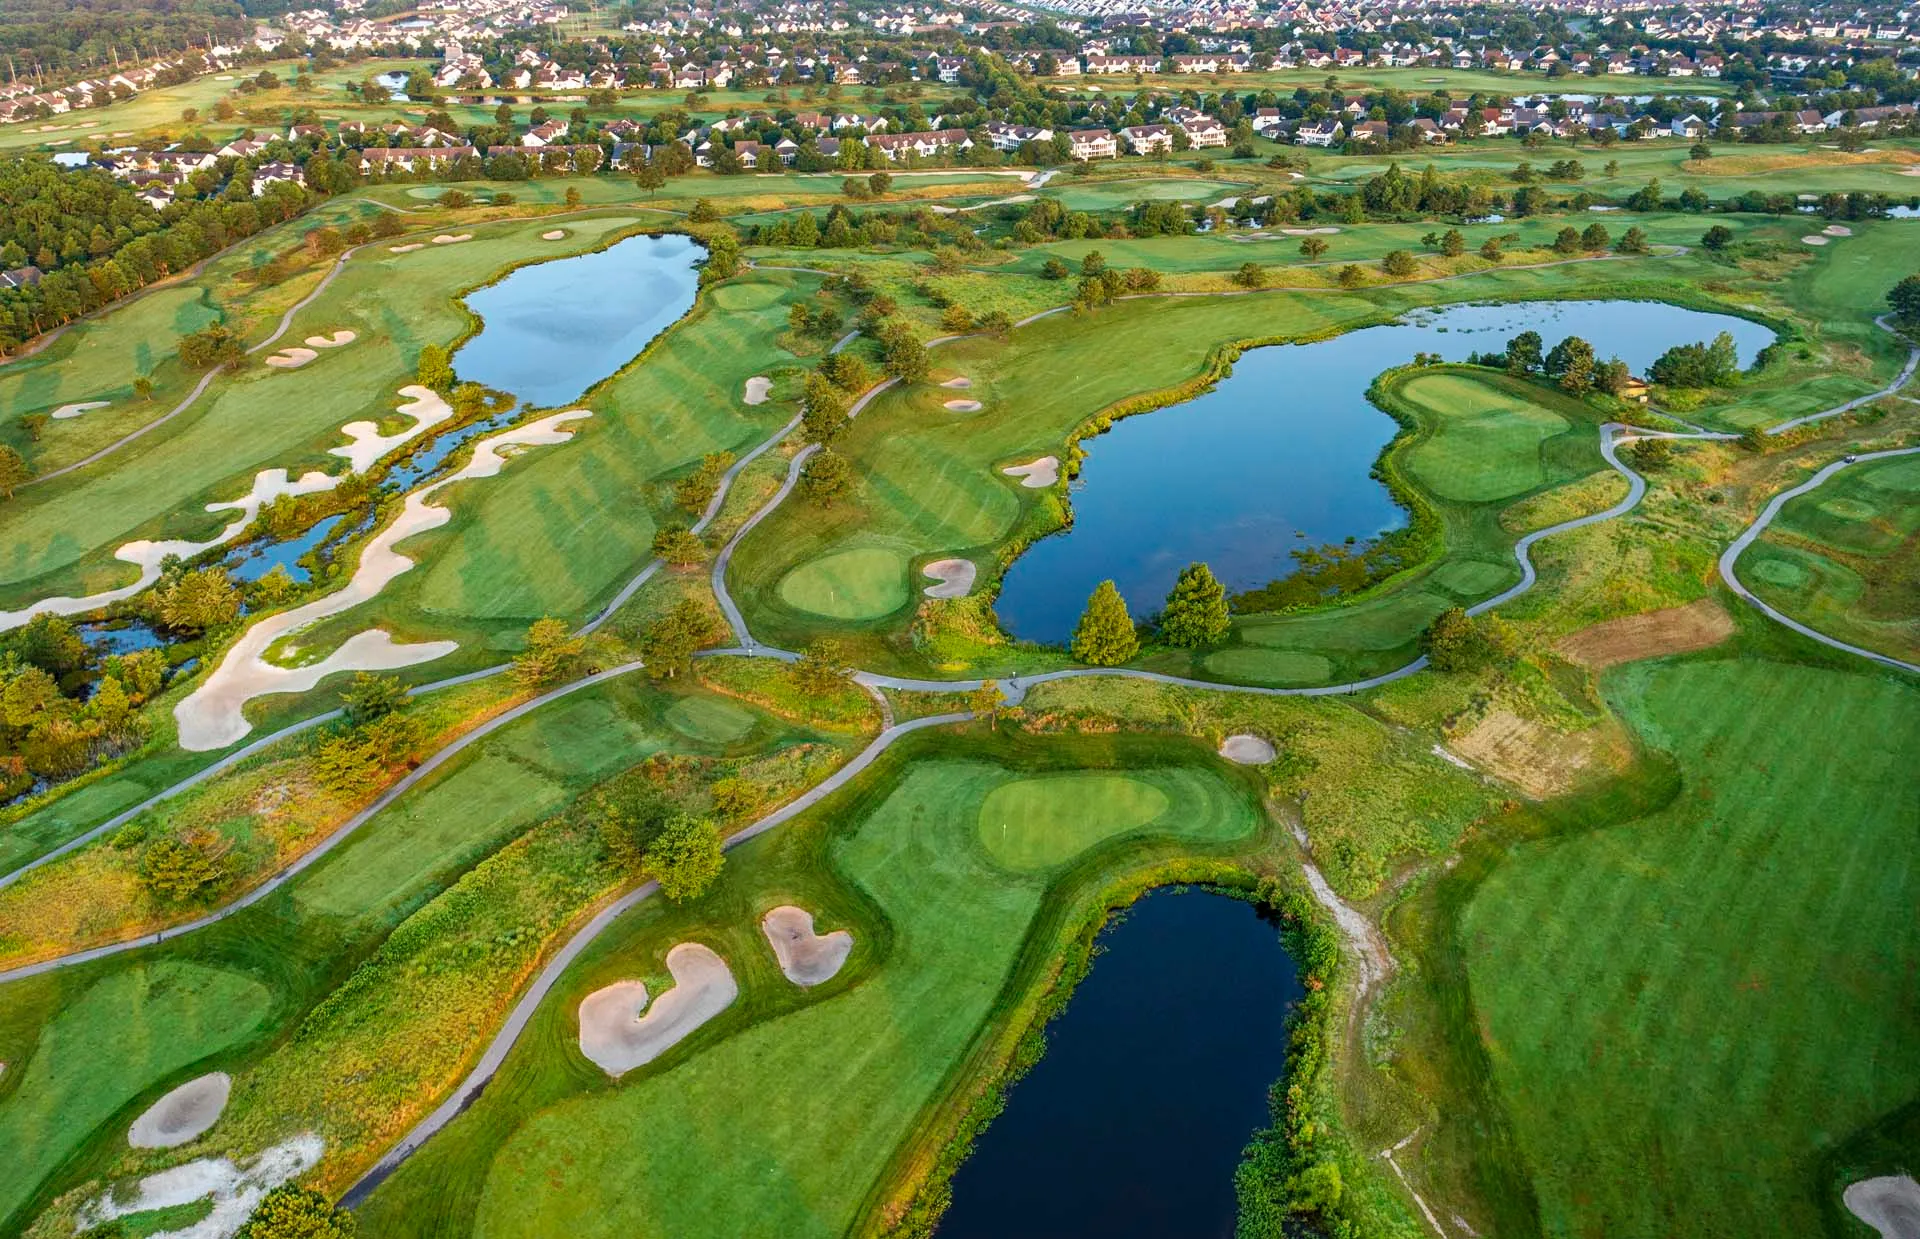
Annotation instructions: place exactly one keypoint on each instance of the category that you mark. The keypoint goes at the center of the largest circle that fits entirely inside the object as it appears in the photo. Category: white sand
(962, 382)
(964, 406)
(212, 717)
(455, 239)
(335, 340)
(1813, 240)
(65, 411)
(289, 358)
(757, 388)
(235, 1190)
(182, 1114)
(805, 957)
(368, 445)
(555, 235)
(618, 1038)
(406, 249)
(1036, 474)
(147, 555)
(1310, 232)
(1837, 230)
(1247, 749)
(955, 577)
(1890, 1204)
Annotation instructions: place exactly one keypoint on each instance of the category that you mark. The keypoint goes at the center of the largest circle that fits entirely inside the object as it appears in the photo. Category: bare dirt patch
(805, 957)
(617, 1037)
(1890, 1204)
(1675, 630)
(1533, 757)
(183, 1114)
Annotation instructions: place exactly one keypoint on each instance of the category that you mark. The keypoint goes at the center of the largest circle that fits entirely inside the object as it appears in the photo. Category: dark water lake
(553, 329)
(1282, 447)
(1154, 1077)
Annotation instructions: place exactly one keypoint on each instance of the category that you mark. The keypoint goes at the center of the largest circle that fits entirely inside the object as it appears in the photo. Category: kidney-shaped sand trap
(1247, 749)
(961, 382)
(963, 406)
(955, 577)
(65, 411)
(757, 388)
(805, 957)
(1036, 473)
(183, 1114)
(288, 358)
(335, 340)
(1890, 1204)
(452, 239)
(408, 248)
(618, 1038)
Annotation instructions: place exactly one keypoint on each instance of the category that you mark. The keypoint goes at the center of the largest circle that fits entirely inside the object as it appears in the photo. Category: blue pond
(1154, 1077)
(1283, 447)
(553, 329)
(257, 559)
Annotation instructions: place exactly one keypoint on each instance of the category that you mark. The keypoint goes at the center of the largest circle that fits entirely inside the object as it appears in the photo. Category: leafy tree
(435, 368)
(879, 183)
(827, 478)
(176, 868)
(1717, 238)
(1523, 353)
(1596, 238)
(627, 817)
(1904, 299)
(211, 346)
(1456, 641)
(1571, 361)
(649, 179)
(668, 644)
(906, 358)
(372, 696)
(685, 857)
(198, 600)
(1453, 243)
(1399, 263)
(1196, 614)
(1646, 198)
(143, 388)
(1313, 247)
(1612, 376)
(1054, 269)
(1092, 265)
(1351, 276)
(292, 1212)
(1250, 275)
(679, 546)
(1652, 454)
(821, 670)
(550, 651)
(985, 702)
(1105, 635)
(1697, 365)
(1632, 241)
(1566, 241)
(14, 470)
(703, 212)
(1491, 251)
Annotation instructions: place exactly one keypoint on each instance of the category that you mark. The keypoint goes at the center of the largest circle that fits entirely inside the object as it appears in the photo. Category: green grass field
(780, 1115)
(1684, 1013)
(1843, 558)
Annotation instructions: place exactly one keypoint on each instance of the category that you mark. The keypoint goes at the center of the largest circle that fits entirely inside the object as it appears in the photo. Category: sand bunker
(1310, 232)
(555, 235)
(1036, 474)
(289, 358)
(452, 239)
(424, 406)
(1837, 230)
(805, 957)
(407, 249)
(1247, 749)
(212, 717)
(618, 1038)
(964, 406)
(335, 340)
(1890, 1204)
(236, 1190)
(757, 388)
(183, 1114)
(65, 411)
(1813, 240)
(962, 382)
(955, 577)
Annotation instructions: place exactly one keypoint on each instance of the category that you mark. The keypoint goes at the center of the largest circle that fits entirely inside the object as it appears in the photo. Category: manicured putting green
(710, 719)
(863, 583)
(1260, 666)
(1782, 572)
(746, 296)
(1470, 577)
(1488, 446)
(1037, 823)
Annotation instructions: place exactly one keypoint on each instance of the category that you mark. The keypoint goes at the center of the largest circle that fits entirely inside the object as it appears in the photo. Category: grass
(788, 1107)
(1843, 558)
(1105, 195)
(860, 583)
(1684, 1013)
(1487, 442)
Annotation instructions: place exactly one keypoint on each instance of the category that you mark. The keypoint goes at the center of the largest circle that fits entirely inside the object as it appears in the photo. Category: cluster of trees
(63, 707)
(1456, 641)
(1697, 365)
(1571, 363)
(76, 36)
(643, 832)
(1904, 300)
(1195, 617)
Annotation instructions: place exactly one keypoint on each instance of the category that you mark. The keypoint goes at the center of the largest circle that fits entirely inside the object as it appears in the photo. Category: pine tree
(1105, 634)
(1196, 614)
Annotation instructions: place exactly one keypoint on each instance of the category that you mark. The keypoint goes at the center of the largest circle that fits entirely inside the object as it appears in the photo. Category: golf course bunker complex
(805, 957)
(757, 388)
(617, 1037)
(183, 1114)
(1036, 474)
(1247, 749)
(291, 358)
(1890, 1204)
(235, 1190)
(955, 577)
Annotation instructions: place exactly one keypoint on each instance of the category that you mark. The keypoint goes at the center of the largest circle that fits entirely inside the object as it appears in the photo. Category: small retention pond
(1155, 1076)
(553, 329)
(1280, 454)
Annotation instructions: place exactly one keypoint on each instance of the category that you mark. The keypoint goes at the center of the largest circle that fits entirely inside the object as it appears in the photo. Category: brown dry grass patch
(1535, 758)
(1746, 165)
(1675, 630)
